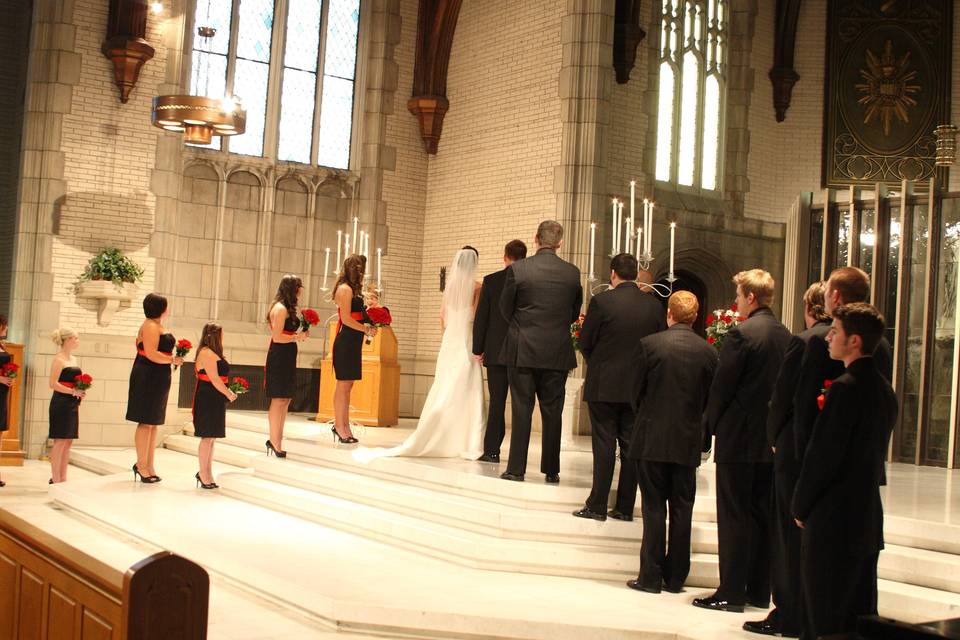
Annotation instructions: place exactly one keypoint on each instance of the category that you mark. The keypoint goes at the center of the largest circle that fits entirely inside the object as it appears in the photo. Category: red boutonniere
(822, 398)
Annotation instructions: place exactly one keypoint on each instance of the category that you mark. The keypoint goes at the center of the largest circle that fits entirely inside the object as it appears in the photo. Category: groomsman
(837, 499)
(489, 329)
(675, 368)
(616, 320)
(786, 618)
(541, 297)
(737, 414)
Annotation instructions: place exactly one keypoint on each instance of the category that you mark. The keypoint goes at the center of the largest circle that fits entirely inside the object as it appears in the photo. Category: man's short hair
(515, 250)
(683, 306)
(813, 302)
(625, 266)
(851, 283)
(864, 320)
(758, 282)
(549, 234)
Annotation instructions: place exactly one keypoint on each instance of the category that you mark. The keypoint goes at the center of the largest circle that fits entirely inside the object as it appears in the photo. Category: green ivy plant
(111, 264)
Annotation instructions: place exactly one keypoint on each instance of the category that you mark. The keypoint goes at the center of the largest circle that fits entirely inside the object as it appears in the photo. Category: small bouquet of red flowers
(719, 324)
(182, 349)
(822, 398)
(83, 382)
(379, 317)
(575, 330)
(308, 318)
(9, 370)
(239, 385)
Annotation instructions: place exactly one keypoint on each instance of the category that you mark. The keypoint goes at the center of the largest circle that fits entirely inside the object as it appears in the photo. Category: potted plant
(110, 277)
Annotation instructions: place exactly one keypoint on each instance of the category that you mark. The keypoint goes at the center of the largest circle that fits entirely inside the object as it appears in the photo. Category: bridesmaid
(348, 294)
(5, 384)
(64, 403)
(281, 368)
(150, 383)
(210, 399)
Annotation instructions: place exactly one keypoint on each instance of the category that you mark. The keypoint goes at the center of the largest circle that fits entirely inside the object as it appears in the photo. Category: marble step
(223, 451)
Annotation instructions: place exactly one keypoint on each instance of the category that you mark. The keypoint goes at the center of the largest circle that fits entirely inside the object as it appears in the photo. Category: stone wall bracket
(627, 36)
(108, 296)
(429, 111)
(125, 45)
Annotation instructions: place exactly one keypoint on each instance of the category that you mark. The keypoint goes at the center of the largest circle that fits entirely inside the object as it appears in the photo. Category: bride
(451, 423)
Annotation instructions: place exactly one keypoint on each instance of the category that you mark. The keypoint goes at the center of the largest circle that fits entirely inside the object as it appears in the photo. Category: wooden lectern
(12, 455)
(375, 399)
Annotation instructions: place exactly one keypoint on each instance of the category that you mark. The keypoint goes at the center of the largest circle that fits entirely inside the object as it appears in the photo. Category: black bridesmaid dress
(65, 408)
(280, 372)
(150, 385)
(5, 358)
(209, 405)
(348, 344)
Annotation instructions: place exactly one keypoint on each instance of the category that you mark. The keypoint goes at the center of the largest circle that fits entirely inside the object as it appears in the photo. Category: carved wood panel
(62, 616)
(30, 613)
(8, 576)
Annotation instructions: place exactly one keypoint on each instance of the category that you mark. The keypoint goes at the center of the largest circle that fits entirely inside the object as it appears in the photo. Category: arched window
(293, 65)
(692, 98)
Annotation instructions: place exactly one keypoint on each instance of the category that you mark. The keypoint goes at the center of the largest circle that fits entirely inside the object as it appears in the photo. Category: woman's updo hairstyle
(59, 336)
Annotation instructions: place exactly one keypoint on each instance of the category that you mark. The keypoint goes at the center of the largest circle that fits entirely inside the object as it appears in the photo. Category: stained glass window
(692, 92)
(313, 74)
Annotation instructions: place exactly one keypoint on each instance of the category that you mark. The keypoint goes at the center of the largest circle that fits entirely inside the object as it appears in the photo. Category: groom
(541, 298)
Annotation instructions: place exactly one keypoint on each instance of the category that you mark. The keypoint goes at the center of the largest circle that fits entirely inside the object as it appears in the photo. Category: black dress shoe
(618, 515)
(553, 479)
(670, 589)
(490, 457)
(763, 627)
(636, 585)
(716, 604)
(592, 515)
(516, 477)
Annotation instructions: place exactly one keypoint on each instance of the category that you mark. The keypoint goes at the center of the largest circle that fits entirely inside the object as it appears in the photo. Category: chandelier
(200, 118)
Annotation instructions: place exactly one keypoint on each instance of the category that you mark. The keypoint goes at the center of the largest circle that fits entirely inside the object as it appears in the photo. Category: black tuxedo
(541, 298)
(787, 617)
(838, 499)
(489, 330)
(675, 369)
(616, 321)
(737, 414)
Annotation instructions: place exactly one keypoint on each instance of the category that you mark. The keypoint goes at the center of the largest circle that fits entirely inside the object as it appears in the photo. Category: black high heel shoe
(337, 436)
(144, 479)
(271, 448)
(203, 485)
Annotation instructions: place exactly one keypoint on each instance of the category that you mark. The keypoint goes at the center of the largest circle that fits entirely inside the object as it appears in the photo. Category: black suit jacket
(541, 298)
(838, 494)
(737, 410)
(780, 431)
(615, 323)
(676, 367)
(489, 326)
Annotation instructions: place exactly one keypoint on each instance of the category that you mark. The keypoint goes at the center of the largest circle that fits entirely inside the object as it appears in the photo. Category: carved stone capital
(429, 111)
(783, 79)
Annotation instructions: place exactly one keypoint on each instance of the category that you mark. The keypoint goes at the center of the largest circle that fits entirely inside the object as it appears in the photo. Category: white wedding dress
(451, 423)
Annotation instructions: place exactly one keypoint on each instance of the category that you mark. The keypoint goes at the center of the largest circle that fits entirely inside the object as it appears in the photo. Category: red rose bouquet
(822, 398)
(308, 318)
(239, 385)
(83, 382)
(379, 317)
(719, 324)
(9, 370)
(183, 348)
(575, 329)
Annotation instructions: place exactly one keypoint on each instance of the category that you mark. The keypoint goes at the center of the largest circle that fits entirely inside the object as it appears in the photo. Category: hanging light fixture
(200, 118)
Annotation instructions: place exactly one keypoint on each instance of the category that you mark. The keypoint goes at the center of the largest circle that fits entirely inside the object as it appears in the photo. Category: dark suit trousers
(743, 530)
(837, 588)
(663, 483)
(498, 386)
(612, 424)
(785, 558)
(549, 387)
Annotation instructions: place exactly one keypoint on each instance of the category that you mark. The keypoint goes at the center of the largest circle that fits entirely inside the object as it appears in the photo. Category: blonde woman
(64, 403)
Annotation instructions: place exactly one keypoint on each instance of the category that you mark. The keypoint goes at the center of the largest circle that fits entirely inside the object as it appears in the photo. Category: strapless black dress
(209, 405)
(348, 345)
(280, 372)
(5, 358)
(150, 385)
(65, 408)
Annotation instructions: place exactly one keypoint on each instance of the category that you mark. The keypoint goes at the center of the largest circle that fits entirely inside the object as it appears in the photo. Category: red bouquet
(9, 370)
(379, 317)
(308, 318)
(183, 348)
(239, 385)
(83, 381)
(822, 398)
(575, 330)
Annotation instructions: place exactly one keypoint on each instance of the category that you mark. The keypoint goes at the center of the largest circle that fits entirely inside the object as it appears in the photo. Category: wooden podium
(12, 455)
(375, 399)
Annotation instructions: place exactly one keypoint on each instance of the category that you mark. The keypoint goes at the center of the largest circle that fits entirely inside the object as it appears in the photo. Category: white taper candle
(593, 246)
(673, 230)
(326, 267)
(354, 245)
(379, 267)
(338, 264)
(633, 195)
(639, 243)
(613, 235)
